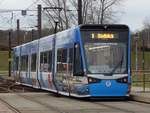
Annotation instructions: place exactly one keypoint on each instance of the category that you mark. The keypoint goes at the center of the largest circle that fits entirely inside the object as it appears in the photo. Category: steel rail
(123, 109)
(10, 106)
(41, 103)
(113, 107)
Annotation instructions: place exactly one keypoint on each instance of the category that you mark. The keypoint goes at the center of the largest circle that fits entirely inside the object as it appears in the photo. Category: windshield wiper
(118, 65)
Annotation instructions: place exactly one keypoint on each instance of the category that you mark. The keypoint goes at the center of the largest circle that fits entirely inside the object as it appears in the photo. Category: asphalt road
(49, 103)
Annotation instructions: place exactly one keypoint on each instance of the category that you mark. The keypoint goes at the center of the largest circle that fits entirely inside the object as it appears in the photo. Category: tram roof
(82, 27)
(46, 37)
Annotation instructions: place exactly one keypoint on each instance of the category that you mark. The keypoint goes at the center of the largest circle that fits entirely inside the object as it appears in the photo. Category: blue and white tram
(85, 61)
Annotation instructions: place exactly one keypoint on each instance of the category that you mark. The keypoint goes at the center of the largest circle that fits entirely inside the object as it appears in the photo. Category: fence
(140, 60)
(141, 80)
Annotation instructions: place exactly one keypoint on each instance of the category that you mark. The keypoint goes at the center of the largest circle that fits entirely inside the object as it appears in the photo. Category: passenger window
(24, 63)
(45, 58)
(50, 61)
(46, 61)
(16, 63)
(33, 62)
(61, 60)
(70, 60)
(78, 67)
(41, 58)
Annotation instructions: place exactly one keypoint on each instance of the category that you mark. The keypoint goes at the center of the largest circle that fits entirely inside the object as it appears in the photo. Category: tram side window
(49, 61)
(46, 61)
(33, 62)
(70, 59)
(61, 60)
(78, 67)
(24, 63)
(17, 63)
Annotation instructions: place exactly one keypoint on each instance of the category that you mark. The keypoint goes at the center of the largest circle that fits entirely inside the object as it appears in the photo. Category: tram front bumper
(108, 88)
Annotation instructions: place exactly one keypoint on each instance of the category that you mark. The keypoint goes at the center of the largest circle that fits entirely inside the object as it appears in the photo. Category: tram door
(45, 69)
(64, 69)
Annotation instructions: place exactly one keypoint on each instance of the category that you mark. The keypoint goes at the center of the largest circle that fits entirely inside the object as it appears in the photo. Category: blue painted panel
(79, 39)
(46, 43)
(100, 89)
(34, 46)
(129, 58)
(65, 46)
(25, 49)
(16, 51)
(65, 37)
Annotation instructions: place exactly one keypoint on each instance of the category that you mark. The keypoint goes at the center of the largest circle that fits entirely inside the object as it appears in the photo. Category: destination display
(103, 35)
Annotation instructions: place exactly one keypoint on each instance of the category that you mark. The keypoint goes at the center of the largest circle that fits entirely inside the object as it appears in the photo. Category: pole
(59, 10)
(9, 54)
(56, 24)
(143, 62)
(18, 31)
(136, 53)
(32, 34)
(80, 21)
(39, 36)
(39, 21)
(54, 57)
(24, 37)
(136, 56)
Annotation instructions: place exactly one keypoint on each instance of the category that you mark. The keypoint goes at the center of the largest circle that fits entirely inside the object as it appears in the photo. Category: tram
(84, 61)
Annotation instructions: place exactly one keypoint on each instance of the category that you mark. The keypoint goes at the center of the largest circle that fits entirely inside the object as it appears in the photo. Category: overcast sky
(135, 11)
(15, 4)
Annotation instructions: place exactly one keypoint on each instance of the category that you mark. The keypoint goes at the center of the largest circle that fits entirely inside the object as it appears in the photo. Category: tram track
(10, 86)
(119, 108)
(115, 108)
(15, 110)
(55, 109)
(44, 105)
(8, 89)
(60, 111)
(7, 86)
(101, 103)
(139, 103)
(110, 106)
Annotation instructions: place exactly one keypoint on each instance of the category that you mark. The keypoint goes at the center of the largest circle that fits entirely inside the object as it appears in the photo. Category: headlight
(93, 80)
(123, 80)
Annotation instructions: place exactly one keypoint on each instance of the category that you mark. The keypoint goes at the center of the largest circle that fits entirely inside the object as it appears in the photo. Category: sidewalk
(138, 94)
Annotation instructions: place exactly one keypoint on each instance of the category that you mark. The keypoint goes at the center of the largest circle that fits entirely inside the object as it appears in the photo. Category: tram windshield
(107, 58)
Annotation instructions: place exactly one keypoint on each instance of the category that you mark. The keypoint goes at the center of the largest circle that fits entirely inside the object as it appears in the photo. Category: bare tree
(94, 11)
(102, 11)
(105, 9)
(146, 23)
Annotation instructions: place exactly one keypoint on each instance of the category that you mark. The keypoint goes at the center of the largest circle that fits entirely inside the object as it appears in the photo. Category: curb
(140, 98)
